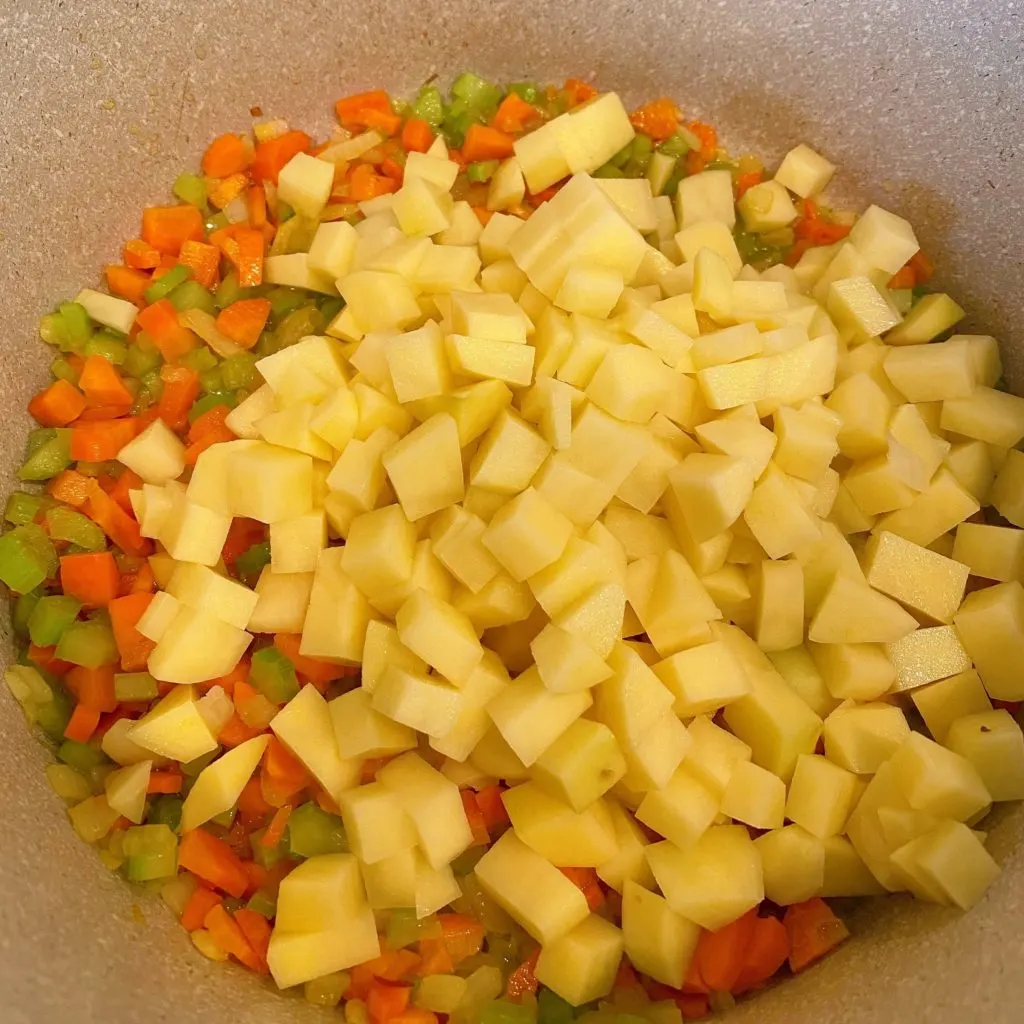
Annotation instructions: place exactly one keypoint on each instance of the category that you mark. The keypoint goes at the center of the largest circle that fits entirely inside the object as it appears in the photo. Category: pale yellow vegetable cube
(527, 534)
(305, 184)
(156, 454)
(338, 613)
(794, 864)
(174, 728)
(489, 317)
(604, 447)
(440, 993)
(932, 373)
(281, 602)
(993, 743)
(630, 383)
(379, 549)
(712, 288)
(927, 655)
(804, 171)
(777, 518)
(268, 483)
(560, 834)
(422, 208)
(942, 703)
(851, 612)
(581, 765)
(336, 418)
(594, 132)
(712, 491)
(565, 662)
(541, 158)
(439, 634)
(465, 227)
(379, 300)
(417, 700)
(988, 415)
(766, 207)
(293, 271)
(530, 717)
(375, 823)
(864, 410)
(532, 890)
(706, 196)
(938, 781)
(1007, 495)
(125, 790)
(742, 438)
(845, 872)
(456, 541)
(806, 440)
(779, 607)
(298, 957)
(383, 648)
(362, 732)
(654, 758)
(681, 811)
(885, 240)
(196, 646)
(658, 941)
(713, 883)
(854, 671)
(582, 565)
(417, 363)
(703, 679)
(929, 317)
(632, 701)
(425, 467)
(860, 738)
(754, 797)
(509, 455)
(199, 587)
(993, 552)
(577, 495)
(935, 511)
(332, 248)
(596, 616)
(709, 234)
(857, 304)
(296, 543)
(472, 721)
(821, 796)
(591, 290)
(714, 753)
(581, 965)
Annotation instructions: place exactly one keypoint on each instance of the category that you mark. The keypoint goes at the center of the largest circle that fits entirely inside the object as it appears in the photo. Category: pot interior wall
(921, 106)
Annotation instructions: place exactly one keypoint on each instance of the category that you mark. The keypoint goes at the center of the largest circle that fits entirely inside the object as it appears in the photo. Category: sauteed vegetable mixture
(512, 561)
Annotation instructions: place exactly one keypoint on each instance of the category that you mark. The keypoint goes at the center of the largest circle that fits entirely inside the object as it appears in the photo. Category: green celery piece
(263, 903)
(83, 756)
(216, 222)
(27, 558)
(63, 370)
(457, 119)
(108, 344)
(265, 856)
(553, 1009)
(640, 157)
(250, 563)
(23, 507)
(403, 928)
(151, 389)
(476, 93)
(47, 459)
(608, 171)
(192, 768)
(199, 359)
(165, 810)
(152, 852)
(210, 401)
(37, 437)
(211, 380)
(501, 1011)
(191, 189)
(295, 235)
(527, 91)
(295, 326)
(229, 291)
(672, 185)
(428, 106)
(77, 325)
(52, 330)
(67, 524)
(330, 308)
(50, 617)
(226, 818)
(676, 145)
(24, 606)
(622, 157)
(89, 644)
(135, 686)
(312, 832)
(140, 360)
(273, 674)
(53, 716)
(283, 300)
(721, 165)
(284, 212)
(239, 371)
(481, 171)
(190, 295)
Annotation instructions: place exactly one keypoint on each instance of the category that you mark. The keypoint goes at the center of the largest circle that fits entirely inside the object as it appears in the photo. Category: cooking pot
(921, 105)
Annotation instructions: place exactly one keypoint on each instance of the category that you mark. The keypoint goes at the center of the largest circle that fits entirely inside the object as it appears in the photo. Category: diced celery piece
(53, 716)
(229, 291)
(265, 856)
(312, 832)
(552, 1008)
(250, 563)
(77, 325)
(47, 459)
(643, 146)
(50, 617)
(51, 330)
(109, 345)
(477, 93)
(199, 359)
(68, 783)
(609, 171)
(190, 188)
(330, 307)
(501, 1011)
(24, 606)
(283, 300)
(135, 686)
(210, 401)
(273, 674)
(165, 810)
(63, 370)
(67, 524)
(191, 295)
(81, 756)
(428, 106)
(89, 644)
(622, 157)
(239, 371)
(263, 903)
(217, 221)
(37, 437)
(152, 852)
(482, 170)
(294, 327)
(403, 928)
(677, 145)
(528, 91)
(152, 388)
(140, 360)
(27, 558)
(23, 507)
(226, 818)
(328, 989)
(284, 212)
(211, 380)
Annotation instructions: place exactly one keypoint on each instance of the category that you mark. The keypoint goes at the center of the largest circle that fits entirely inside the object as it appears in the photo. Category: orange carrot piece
(133, 647)
(242, 534)
(140, 255)
(102, 384)
(167, 228)
(70, 487)
(256, 929)
(228, 190)
(578, 92)
(708, 138)
(127, 481)
(387, 122)
(813, 931)
(91, 578)
(200, 903)
(463, 935)
(165, 782)
(767, 952)
(101, 440)
(236, 732)
(417, 135)
(351, 111)
(483, 214)
(523, 979)
(492, 807)
(720, 955)
(95, 687)
(659, 119)
(903, 278)
(434, 958)
(256, 205)
(226, 155)
(693, 1007)
(208, 440)
(275, 830)
(213, 861)
(475, 818)
(585, 879)
(251, 803)
(226, 933)
(414, 1015)
(209, 421)
(312, 669)
(365, 183)
(284, 769)
(127, 282)
(243, 321)
(515, 114)
(272, 155)
(57, 405)
(923, 267)
(181, 388)
(695, 161)
(117, 524)
(82, 724)
(160, 322)
(244, 247)
(386, 999)
(484, 143)
(203, 260)
(44, 658)
(748, 181)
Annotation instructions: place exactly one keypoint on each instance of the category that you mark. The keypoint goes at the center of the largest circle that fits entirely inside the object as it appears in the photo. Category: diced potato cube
(332, 248)
(425, 467)
(174, 728)
(379, 300)
(706, 196)
(335, 625)
(439, 634)
(712, 294)
(932, 373)
(268, 483)
(804, 171)
(885, 240)
(658, 941)
(418, 364)
(986, 414)
(856, 303)
(935, 511)
(754, 797)
(305, 184)
(296, 543)
(419, 701)
(929, 317)
(375, 823)
(489, 317)
(766, 207)
(581, 965)
(1007, 494)
(993, 552)
(794, 864)
(681, 811)
(991, 623)
(198, 587)
(281, 602)
(561, 835)
(156, 454)
(993, 743)
(527, 534)
(854, 671)
(938, 781)
(630, 383)
(196, 646)
(710, 234)
(565, 662)
(379, 549)
(927, 655)
(581, 765)
(779, 609)
(703, 679)
(360, 731)
(852, 613)
(942, 703)
(713, 883)
(777, 518)
(712, 490)
(509, 455)
(860, 738)
(821, 796)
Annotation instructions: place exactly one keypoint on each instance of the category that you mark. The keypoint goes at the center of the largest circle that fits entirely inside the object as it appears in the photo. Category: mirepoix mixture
(511, 562)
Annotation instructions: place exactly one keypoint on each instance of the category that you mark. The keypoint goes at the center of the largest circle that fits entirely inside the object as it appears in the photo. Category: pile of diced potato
(653, 537)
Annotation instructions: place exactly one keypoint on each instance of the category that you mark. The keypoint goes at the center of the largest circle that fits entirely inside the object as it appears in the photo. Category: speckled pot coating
(920, 103)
